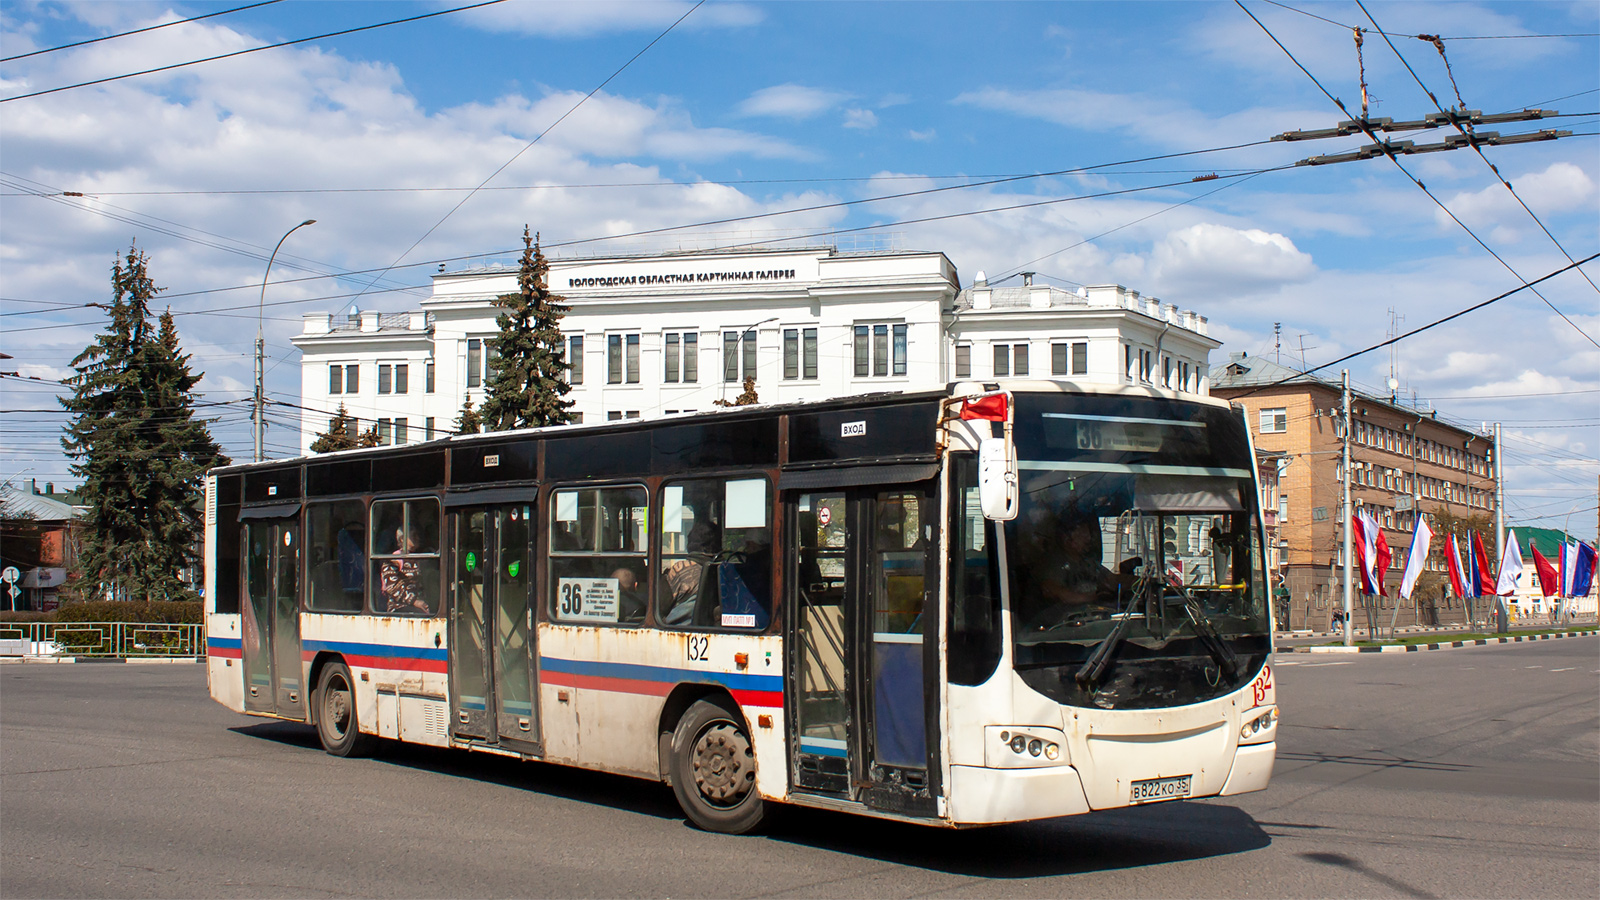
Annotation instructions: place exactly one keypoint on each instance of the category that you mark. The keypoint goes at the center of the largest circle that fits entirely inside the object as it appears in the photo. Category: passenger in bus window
(630, 595)
(681, 580)
(399, 579)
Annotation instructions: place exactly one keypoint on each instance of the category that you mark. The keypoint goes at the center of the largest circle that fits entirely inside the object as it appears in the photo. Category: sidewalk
(1589, 631)
(1359, 633)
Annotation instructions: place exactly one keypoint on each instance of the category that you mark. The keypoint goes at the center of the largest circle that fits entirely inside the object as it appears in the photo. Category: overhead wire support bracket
(1452, 142)
(1386, 124)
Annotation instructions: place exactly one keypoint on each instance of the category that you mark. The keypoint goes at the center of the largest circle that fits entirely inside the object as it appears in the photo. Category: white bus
(957, 608)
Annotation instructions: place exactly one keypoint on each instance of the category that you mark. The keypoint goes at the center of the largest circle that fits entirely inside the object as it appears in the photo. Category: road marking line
(1315, 665)
(1567, 669)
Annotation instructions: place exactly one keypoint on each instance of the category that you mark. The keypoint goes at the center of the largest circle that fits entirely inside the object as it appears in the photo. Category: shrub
(169, 612)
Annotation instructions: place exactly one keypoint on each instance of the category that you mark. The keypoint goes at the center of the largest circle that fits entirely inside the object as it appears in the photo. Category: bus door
(861, 578)
(491, 629)
(271, 645)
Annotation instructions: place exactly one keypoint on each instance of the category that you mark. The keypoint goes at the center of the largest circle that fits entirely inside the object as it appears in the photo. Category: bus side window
(716, 554)
(974, 629)
(336, 543)
(599, 572)
(405, 557)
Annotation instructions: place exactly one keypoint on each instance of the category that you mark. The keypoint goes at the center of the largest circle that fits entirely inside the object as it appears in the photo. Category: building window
(614, 415)
(880, 350)
(1080, 358)
(352, 378)
(427, 377)
(863, 348)
(385, 378)
(427, 428)
(799, 353)
(574, 418)
(963, 360)
(335, 379)
(682, 354)
(1283, 508)
(1127, 361)
(1058, 359)
(1183, 384)
(738, 364)
(1275, 421)
(385, 432)
(622, 359)
(575, 359)
(402, 378)
(474, 362)
(400, 431)
(1010, 359)
(900, 342)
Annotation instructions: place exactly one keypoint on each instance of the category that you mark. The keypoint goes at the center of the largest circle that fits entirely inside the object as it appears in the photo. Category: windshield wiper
(1095, 667)
(1219, 650)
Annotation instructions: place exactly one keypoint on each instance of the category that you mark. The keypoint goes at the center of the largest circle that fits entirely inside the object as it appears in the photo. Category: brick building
(1403, 460)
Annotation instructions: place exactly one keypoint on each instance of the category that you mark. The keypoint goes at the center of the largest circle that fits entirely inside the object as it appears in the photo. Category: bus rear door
(271, 645)
(491, 633)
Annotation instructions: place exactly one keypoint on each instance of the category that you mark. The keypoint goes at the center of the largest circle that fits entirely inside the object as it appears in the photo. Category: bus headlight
(1019, 747)
(1256, 728)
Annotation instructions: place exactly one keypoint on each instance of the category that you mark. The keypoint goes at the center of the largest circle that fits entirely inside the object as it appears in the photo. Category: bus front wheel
(714, 769)
(336, 713)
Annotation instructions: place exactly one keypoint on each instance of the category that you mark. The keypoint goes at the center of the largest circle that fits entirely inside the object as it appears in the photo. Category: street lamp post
(742, 338)
(259, 411)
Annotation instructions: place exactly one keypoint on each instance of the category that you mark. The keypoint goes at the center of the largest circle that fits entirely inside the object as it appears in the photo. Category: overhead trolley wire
(1418, 182)
(195, 62)
(536, 138)
(1438, 44)
(137, 31)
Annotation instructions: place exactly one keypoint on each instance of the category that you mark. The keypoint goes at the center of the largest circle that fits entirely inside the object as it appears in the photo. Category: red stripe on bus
(649, 688)
(225, 652)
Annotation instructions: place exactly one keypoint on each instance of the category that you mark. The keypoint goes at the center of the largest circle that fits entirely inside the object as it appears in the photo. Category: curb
(1447, 645)
(102, 660)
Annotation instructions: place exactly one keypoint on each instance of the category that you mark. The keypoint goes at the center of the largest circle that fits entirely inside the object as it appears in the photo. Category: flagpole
(1344, 378)
(1499, 529)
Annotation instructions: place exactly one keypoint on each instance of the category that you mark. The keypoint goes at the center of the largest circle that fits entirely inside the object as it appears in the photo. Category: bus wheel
(336, 713)
(714, 769)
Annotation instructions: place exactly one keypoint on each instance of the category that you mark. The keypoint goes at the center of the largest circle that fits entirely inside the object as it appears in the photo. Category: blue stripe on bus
(391, 650)
(222, 643)
(471, 703)
(634, 672)
(520, 708)
(823, 747)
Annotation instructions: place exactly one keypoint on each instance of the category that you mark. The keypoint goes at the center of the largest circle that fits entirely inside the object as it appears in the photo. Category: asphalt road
(1462, 773)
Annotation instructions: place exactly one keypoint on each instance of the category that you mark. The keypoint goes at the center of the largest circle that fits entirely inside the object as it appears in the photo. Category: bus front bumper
(984, 796)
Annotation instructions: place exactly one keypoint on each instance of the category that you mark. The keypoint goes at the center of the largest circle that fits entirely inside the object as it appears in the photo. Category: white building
(669, 333)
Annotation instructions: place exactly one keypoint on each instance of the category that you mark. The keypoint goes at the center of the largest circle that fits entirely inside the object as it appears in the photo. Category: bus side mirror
(997, 479)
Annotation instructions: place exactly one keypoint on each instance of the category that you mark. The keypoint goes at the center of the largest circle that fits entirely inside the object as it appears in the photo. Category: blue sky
(754, 108)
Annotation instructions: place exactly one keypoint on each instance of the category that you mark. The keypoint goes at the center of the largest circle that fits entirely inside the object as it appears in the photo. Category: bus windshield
(1135, 557)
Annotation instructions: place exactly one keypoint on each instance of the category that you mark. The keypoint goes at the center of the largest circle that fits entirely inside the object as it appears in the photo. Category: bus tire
(714, 768)
(337, 726)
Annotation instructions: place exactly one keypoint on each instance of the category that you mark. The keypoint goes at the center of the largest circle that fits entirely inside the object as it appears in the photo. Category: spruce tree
(468, 422)
(341, 434)
(529, 378)
(138, 448)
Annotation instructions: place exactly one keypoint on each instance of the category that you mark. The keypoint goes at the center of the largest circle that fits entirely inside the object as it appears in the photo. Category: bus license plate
(1160, 789)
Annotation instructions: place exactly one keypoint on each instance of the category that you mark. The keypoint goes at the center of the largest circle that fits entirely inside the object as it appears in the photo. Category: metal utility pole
(1499, 528)
(1344, 518)
(258, 414)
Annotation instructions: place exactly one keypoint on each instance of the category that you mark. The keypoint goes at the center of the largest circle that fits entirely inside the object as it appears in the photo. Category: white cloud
(1228, 258)
(927, 135)
(860, 118)
(1158, 119)
(595, 16)
(790, 101)
(1561, 187)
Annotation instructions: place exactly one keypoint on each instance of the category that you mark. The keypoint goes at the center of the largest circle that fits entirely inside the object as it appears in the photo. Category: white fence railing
(110, 639)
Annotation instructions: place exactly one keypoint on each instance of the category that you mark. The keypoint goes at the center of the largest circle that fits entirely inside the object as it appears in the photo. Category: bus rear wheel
(714, 769)
(337, 727)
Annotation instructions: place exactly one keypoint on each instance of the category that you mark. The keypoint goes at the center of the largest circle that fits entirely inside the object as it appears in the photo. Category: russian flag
(1482, 576)
(1583, 570)
(1452, 561)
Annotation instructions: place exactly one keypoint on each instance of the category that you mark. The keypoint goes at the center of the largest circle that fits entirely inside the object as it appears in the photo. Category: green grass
(1451, 637)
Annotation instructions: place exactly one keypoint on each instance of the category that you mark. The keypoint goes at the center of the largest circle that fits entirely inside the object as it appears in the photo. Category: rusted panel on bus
(604, 689)
(406, 655)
